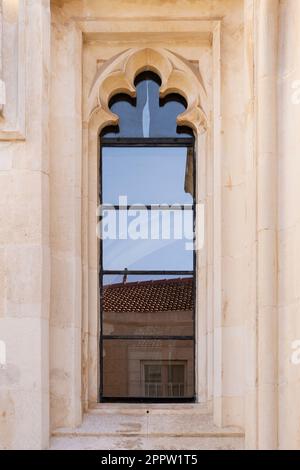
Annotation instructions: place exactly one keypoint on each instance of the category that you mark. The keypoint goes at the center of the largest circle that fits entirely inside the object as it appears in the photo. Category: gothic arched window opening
(147, 257)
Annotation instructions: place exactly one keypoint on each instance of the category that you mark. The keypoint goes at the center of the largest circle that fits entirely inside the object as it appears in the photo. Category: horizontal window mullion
(148, 207)
(146, 272)
(146, 142)
(139, 399)
(148, 337)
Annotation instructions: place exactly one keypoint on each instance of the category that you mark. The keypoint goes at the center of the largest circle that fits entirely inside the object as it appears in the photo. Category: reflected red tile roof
(149, 296)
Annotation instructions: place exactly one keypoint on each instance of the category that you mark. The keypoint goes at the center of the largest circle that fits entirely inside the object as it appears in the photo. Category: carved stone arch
(117, 75)
(177, 76)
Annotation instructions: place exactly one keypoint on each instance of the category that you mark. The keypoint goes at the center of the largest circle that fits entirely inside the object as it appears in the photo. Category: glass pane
(147, 175)
(109, 279)
(126, 368)
(147, 115)
(176, 373)
(147, 240)
(155, 306)
(153, 373)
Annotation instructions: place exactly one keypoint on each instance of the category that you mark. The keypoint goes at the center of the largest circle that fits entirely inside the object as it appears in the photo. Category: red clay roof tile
(149, 296)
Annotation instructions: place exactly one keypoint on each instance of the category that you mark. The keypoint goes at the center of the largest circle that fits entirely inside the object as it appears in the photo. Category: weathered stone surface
(148, 427)
(237, 64)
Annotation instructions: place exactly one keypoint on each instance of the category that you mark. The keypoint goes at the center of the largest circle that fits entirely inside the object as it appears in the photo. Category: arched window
(147, 258)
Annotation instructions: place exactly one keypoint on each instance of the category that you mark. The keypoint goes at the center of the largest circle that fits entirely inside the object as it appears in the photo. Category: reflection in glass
(147, 175)
(142, 239)
(154, 307)
(121, 278)
(147, 115)
(146, 224)
(148, 368)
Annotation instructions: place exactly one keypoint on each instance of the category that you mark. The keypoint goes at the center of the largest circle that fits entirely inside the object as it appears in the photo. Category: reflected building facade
(151, 364)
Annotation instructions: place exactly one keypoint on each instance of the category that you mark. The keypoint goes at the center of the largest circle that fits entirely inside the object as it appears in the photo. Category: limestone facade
(237, 63)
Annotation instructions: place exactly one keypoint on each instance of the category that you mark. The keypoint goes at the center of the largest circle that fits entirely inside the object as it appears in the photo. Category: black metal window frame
(186, 142)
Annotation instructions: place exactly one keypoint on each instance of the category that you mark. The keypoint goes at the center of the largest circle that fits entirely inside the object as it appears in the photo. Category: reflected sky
(147, 115)
(119, 278)
(157, 240)
(146, 175)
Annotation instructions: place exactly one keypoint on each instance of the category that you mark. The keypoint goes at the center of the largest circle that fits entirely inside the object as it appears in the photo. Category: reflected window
(147, 259)
(164, 380)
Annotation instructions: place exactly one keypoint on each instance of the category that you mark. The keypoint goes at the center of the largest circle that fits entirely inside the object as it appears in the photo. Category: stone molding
(14, 129)
(177, 76)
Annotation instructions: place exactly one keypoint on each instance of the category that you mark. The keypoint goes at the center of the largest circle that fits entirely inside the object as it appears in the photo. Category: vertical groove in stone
(266, 138)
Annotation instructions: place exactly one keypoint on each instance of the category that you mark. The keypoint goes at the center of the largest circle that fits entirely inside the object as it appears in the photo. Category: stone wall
(24, 226)
(52, 104)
